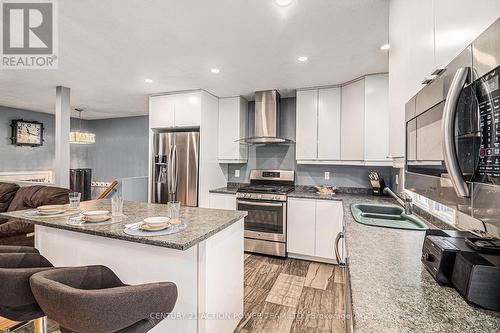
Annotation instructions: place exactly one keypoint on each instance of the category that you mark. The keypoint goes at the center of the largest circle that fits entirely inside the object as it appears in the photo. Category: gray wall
(283, 157)
(20, 158)
(121, 148)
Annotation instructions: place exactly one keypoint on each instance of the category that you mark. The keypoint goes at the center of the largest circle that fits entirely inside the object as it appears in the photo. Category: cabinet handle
(337, 254)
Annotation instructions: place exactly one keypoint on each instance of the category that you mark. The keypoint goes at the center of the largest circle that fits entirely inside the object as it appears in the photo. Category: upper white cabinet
(344, 125)
(306, 134)
(161, 111)
(233, 125)
(376, 118)
(353, 122)
(318, 125)
(175, 110)
(458, 23)
(329, 109)
(426, 35)
(188, 109)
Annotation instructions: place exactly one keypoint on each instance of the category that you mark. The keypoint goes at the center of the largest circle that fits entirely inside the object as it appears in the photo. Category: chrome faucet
(406, 202)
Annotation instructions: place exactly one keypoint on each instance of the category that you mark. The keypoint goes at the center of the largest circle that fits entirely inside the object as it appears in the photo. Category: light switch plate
(237, 173)
(327, 175)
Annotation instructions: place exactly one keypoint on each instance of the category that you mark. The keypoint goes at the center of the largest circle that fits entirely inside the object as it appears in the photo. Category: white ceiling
(108, 48)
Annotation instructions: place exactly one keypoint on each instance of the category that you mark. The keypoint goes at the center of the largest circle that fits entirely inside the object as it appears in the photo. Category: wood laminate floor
(284, 296)
(290, 295)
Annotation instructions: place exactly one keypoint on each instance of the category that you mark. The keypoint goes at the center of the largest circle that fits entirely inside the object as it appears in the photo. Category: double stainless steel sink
(386, 216)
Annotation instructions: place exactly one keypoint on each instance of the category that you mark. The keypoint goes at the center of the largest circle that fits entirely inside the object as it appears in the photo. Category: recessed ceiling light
(148, 80)
(283, 3)
(215, 70)
(385, 47)
(302, 59)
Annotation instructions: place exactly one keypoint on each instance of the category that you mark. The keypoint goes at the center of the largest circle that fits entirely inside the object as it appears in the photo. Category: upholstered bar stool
(16, 299)
(17, 249)
(93, 299)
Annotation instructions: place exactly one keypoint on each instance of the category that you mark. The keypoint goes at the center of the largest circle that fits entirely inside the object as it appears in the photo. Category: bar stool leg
(40, 325)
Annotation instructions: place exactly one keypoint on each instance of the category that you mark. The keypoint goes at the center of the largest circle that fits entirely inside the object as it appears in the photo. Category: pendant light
(81, 137)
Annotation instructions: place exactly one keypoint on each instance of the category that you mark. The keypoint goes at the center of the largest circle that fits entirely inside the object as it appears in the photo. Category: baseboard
(312, 258)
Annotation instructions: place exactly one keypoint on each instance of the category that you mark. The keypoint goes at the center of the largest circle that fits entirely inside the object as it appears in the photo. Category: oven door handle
(253, 203)
(448, 133)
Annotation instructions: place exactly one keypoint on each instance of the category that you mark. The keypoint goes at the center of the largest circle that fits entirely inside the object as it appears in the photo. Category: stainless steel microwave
(453, 133)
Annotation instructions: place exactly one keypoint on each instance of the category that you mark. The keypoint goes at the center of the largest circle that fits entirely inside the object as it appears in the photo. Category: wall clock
(27, 133)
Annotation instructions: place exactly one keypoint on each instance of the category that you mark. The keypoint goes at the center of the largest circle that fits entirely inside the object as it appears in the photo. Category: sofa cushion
(15, 228)
(38, 195)
(7, 193)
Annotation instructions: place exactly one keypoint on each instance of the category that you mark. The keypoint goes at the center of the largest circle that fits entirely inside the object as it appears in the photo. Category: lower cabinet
(312, 228)
(222, 201)
(301, 230)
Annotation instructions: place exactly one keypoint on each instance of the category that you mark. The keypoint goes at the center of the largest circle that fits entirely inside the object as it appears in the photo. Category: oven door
(266, 220)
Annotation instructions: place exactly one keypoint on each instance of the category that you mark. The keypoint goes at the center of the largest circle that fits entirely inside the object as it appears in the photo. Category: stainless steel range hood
(267, 119)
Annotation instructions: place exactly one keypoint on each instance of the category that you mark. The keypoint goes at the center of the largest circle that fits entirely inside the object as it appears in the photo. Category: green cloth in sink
(386, 216)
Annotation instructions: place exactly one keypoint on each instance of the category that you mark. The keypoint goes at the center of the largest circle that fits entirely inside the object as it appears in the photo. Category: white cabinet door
(222, 201)
(421, 60)
(188, 109)
(162, 111)
(376, 117)
(353, 121)
(458, 23)
(329, 216)
(301, 226)
(233, 115)
(306, 146)
(329, 124)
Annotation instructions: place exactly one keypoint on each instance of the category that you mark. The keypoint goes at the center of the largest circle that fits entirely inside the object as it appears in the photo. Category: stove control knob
(247, 195)
(259, 196)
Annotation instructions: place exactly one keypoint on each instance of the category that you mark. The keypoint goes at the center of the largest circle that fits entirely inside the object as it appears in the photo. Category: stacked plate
(155, 223)
(51, 209)
(96, 216)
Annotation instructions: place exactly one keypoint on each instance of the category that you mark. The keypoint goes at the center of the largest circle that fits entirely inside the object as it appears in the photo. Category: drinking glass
(174, 208)
(74, 200)
(117, 205)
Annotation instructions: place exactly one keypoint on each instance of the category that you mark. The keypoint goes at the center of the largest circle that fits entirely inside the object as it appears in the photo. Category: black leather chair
(16, 299)
(94, 299)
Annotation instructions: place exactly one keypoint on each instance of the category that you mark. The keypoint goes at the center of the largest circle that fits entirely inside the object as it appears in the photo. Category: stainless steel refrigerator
(175, 167)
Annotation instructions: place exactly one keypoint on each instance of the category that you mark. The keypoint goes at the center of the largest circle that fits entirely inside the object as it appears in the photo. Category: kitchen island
(205, 260)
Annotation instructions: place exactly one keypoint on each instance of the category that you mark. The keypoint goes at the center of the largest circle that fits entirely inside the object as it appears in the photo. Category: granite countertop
(309, 192)
(306, 192)
(391, 289)
(201, 223)
(225, 190)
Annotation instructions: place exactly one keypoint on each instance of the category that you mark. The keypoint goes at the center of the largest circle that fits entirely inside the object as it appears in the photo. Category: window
(435, 208)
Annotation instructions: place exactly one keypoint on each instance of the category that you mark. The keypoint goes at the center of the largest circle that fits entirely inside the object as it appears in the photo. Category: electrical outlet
(327, 175)
(237, 173)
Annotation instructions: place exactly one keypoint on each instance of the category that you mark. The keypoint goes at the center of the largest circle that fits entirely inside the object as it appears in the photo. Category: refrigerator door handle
(172, 181)
(448, 133)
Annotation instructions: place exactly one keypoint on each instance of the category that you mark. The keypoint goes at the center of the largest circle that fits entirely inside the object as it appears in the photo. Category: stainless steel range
(265, 201)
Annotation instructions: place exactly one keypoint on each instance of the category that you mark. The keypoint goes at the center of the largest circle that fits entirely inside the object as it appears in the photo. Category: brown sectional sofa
(13, 197)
